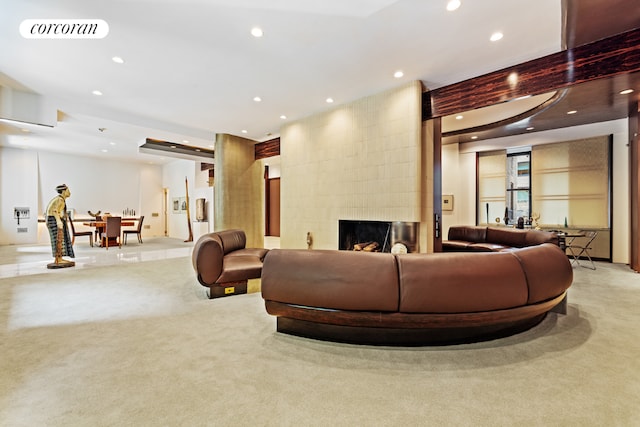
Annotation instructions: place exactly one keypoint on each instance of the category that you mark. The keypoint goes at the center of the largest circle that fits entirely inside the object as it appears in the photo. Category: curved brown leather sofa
(476, 238)
(223, 263)
(413, 299)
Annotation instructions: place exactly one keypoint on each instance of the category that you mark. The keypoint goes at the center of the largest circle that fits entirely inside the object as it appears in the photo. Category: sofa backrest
(513, 237)
(462, 282)
(338, 280)
(548, 271)
(538, 237)
(232, 240)
(468, 233)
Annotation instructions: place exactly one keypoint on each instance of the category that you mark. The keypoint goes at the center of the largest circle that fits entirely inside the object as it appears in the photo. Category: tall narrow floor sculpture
(190, 238)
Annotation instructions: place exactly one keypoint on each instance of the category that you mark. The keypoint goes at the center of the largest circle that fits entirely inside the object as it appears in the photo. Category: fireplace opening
(377, 236)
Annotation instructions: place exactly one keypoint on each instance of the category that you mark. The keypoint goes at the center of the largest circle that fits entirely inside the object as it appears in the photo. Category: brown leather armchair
(223, 263)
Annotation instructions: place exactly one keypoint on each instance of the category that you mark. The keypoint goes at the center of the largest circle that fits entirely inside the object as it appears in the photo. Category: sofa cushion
(468, 233)
(256, 252)
(239, 268)
(339, 280)
(455, 245)
(460, 282)
(487, 247)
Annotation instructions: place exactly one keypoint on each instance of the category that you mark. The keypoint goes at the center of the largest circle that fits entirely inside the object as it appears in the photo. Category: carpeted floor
(138, 344)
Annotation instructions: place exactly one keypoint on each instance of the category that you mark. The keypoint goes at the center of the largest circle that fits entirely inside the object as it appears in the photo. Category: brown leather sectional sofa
(466, 238)
(413, 299)
(223, 263)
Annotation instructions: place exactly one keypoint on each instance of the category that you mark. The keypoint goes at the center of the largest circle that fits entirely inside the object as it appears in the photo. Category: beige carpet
(138, 344)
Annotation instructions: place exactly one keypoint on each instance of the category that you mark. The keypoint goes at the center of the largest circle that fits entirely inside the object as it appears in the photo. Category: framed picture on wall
(447, 202)
(176, 205)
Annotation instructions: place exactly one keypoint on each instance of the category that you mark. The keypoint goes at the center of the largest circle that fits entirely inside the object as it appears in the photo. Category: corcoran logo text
(64, 29)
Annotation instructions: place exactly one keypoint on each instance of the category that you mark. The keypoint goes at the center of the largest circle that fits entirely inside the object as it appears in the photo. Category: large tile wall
(358, 161)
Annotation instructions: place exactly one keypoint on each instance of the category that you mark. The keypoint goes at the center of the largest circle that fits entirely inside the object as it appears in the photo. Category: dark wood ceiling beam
(267, 149)
(616, 55)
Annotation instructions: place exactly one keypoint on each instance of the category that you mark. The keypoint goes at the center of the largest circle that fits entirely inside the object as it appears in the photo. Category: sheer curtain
(570, 183)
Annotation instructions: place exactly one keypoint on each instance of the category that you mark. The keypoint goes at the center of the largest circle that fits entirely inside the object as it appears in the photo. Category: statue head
(63, 190)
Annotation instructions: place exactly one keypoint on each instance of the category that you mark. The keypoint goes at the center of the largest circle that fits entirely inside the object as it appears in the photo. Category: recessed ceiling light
(112, 143)
(257, 32)
(173, 146)
(186, 141)
(257, 99)
(329, 100)
(197, 149)
(496, 36)
(117, 60)
(572, 112)
(97, 93)
(460, 117)
(283, 117)
(474, 137)
(453, 5)
(530, 128)
(398, 74)
(25, 130)
(626, 91)
(105, 150)
(244, 131)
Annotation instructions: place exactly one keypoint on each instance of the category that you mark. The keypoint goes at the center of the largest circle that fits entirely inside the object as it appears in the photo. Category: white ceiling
(192, 67)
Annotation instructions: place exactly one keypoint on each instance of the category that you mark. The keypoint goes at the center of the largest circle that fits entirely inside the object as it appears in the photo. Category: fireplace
(377, 236)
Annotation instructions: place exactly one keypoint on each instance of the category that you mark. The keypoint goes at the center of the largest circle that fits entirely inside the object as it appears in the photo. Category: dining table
(101, 224)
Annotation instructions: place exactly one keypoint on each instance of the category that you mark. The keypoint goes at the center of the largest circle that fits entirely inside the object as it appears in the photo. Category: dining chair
(137, 230)
(99, 230)
(112, 231)
(79, 233)
(582, 247)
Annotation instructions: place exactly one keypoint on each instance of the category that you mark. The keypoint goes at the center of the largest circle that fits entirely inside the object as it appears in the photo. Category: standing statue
(58, 231)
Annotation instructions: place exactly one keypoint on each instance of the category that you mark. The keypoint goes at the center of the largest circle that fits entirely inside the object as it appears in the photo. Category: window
(560, 183)
(504, 187)
(518, 201)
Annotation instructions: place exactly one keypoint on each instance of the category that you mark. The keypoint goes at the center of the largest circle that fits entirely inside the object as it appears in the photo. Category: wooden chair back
(112, 230)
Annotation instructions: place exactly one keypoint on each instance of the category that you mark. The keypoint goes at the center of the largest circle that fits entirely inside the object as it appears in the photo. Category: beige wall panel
(239, 188)
(358, 161)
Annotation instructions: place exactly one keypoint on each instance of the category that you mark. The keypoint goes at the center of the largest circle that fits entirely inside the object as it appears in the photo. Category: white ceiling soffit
(494, 113)
(351, 8)
(192, 69)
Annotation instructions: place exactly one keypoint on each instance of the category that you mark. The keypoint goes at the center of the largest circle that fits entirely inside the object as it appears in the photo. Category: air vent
(23, 230)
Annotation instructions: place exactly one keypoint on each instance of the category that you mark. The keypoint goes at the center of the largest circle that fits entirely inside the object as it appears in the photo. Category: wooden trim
(634, 185)
(267, 149)
(267, 202)
(437, 185)
(616, 55)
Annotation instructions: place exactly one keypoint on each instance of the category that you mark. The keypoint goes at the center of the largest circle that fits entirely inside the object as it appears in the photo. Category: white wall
(174, 175)
(18, 188)
(29, 178)
(462, 175)
(458, 180)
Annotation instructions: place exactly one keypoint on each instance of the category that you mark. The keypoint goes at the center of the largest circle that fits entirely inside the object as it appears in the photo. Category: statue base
(62, 264)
